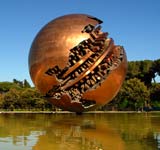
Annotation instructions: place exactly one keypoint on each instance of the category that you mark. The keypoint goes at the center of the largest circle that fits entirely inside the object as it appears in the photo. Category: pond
(99, 131)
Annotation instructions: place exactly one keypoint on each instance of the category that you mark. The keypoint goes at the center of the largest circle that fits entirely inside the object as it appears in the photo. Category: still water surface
(110, 131)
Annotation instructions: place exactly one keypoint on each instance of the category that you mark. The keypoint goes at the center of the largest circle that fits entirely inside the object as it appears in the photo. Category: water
(110, 131)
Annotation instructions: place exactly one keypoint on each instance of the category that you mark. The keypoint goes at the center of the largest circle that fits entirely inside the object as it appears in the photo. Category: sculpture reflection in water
(88, 132)
(78, 134)
(76, 65)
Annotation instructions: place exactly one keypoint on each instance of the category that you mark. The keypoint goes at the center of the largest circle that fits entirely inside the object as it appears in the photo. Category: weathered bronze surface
(75, 65)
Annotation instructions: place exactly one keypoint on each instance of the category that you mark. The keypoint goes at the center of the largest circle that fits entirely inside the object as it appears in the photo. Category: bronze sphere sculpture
(75, 65)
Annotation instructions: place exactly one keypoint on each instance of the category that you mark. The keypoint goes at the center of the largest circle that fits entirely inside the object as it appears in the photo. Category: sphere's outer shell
(52, 45)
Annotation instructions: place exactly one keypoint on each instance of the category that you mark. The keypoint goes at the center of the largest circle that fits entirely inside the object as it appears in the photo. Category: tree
(156, 66)
(1, 100)
(19, 83)
(155, 69)
(141, 70)
(133, 94)
(26, 84)
(155, 95)
(28, 96)
(10, 99)
(6, 86)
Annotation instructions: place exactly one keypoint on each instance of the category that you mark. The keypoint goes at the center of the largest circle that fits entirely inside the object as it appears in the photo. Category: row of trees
(19, 95)
(139, 91)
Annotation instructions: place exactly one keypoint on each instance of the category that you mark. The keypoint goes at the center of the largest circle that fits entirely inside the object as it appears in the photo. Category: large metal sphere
(75, 65)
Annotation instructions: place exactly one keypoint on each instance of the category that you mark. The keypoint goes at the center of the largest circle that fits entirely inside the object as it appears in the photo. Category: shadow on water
(82, 132)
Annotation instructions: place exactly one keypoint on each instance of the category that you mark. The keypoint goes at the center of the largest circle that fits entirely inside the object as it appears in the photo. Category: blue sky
(135, 24)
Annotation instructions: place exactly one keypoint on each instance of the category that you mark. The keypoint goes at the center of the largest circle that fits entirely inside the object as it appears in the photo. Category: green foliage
(133, 95)
(140, 70)
(123, 104)
(26, 84)
(145, 70)
(156, 66)
(155, 94)
(6, 86)
(20, 96)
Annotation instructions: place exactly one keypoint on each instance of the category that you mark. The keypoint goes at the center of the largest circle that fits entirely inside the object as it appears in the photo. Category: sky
(134, 24)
